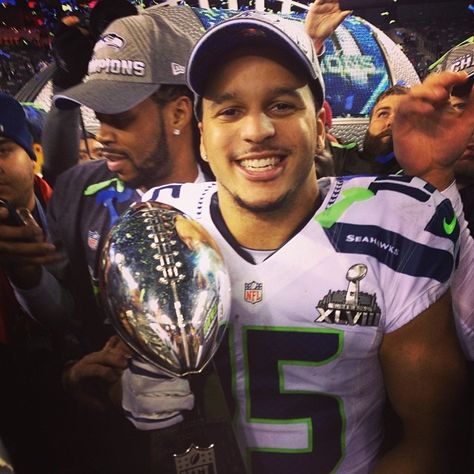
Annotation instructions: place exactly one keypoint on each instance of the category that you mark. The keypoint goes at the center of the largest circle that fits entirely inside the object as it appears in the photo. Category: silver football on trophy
(165, 287)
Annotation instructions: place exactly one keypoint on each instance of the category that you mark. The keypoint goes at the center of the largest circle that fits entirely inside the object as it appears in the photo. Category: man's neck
(265, 230)
(185, 174)
(31, 205)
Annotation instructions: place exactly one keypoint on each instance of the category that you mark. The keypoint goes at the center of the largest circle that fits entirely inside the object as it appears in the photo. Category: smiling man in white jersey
(340, 288)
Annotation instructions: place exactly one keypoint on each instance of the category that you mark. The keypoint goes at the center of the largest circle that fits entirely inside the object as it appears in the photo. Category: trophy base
(196, 446)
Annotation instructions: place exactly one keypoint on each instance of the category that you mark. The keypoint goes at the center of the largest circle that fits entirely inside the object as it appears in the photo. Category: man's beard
(264, 208)
(157, 166)
(375, 146)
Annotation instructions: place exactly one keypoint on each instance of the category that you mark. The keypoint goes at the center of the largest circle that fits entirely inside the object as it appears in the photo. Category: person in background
(30, 397)
(89, 148)
(149, 137)
(333, 151)
(378, 156)
(464, 171)
(460, 58)
(322, 19)
(36, 117)
(457, 59)
(72, 47)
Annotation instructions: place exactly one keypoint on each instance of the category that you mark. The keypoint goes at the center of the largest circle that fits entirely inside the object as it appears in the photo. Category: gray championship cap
(286, 36)
(459, 58)
(133, 57)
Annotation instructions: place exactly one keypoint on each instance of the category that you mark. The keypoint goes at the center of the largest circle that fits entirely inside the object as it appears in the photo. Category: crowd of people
(352, 353)
(425, 41)
(19, 63)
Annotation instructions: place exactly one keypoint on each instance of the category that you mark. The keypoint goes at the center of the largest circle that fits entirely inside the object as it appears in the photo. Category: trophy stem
(205, 441)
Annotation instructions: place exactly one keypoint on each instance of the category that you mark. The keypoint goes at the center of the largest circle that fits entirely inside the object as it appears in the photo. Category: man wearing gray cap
(137, 88)
(139, 60)
(349, 277)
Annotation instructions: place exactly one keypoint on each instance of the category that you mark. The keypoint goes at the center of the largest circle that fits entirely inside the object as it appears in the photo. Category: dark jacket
(87, 200)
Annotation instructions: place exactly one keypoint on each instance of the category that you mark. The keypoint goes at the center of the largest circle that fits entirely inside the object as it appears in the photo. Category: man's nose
(390, 120)
(257, 127)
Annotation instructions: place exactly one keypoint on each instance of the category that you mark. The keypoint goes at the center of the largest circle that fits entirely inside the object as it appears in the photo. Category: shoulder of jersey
(190, 198)
(404, 197)
(394, 186)
(396, 219)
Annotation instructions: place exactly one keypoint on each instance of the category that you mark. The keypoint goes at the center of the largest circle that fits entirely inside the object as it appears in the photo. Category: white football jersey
(308, 321)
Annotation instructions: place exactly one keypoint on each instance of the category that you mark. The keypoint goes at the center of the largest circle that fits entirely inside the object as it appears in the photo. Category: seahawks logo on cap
(110, 40)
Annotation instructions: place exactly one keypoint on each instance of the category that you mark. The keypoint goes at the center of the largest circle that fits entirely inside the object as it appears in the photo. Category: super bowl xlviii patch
(253, 292)
(196, 461)
(350, 307)
(93, 239)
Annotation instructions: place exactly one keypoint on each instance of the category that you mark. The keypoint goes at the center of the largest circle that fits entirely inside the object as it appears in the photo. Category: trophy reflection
(167, 293)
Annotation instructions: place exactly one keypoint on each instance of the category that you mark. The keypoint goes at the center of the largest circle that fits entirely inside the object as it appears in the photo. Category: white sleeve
(463, 278)
(152, 400)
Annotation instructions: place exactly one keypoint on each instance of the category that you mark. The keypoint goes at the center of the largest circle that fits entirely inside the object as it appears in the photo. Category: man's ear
(321, 129)
(180, 112)
(202, 148)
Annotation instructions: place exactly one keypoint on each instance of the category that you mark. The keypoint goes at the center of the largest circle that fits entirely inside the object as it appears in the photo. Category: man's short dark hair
(167, 93)
(397, 89)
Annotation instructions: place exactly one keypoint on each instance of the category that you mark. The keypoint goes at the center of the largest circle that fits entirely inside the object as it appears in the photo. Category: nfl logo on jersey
(253, 292)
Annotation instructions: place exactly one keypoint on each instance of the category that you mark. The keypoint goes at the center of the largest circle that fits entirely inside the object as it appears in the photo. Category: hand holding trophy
(167, 293)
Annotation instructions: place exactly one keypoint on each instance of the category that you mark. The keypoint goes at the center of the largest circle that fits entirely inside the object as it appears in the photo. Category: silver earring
(176, 131)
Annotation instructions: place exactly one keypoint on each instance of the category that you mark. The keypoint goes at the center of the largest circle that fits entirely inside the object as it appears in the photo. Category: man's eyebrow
(279, 91)
(4, 140)
(218, 99)
(383, 107)
(287, 91)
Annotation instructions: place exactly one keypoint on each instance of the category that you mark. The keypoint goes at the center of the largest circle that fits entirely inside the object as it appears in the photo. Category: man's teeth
(265, 163)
